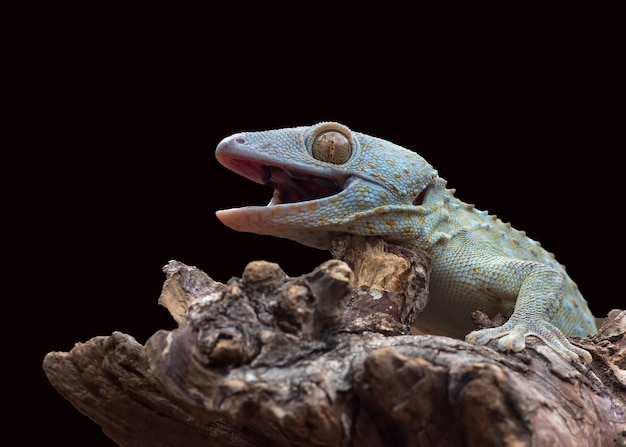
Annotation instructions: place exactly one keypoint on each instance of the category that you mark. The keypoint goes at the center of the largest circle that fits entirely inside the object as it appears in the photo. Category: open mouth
(290, 186)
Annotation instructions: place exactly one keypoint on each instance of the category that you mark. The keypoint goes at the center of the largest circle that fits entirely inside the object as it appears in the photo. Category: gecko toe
(483, 336)
(513, 341)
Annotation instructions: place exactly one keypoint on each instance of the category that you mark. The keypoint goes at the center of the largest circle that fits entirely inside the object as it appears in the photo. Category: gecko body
(330, 180)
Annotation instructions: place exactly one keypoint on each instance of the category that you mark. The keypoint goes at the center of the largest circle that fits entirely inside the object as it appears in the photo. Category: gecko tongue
(291, 187)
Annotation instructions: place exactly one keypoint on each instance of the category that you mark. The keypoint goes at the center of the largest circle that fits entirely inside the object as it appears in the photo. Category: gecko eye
(331, 146)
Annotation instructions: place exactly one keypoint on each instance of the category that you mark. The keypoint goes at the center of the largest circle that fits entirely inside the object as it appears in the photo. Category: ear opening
(421, 196)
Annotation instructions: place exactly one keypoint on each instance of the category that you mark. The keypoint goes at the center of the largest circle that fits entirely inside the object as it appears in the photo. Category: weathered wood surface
(327, 359)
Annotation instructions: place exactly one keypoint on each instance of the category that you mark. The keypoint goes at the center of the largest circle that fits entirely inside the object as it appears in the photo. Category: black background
(118, 118)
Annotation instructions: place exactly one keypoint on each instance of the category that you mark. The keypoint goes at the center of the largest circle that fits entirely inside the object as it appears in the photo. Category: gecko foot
(512, 337)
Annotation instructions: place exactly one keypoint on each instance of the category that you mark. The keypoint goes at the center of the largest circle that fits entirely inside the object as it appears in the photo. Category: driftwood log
(328, 359)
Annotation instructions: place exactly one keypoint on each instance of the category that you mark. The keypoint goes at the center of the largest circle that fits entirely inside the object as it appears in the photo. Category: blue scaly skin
(329, 180)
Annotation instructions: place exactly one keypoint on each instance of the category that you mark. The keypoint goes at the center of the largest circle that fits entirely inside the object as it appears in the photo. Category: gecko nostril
(240, 140)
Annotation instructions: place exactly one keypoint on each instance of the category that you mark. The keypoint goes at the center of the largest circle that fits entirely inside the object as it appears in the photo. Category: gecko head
(326, 179)
(275, 158)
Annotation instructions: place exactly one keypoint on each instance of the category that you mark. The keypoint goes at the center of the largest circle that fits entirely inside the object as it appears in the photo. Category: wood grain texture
(327, 359)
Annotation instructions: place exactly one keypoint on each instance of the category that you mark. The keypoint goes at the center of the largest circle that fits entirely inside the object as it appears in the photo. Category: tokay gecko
(328, 180)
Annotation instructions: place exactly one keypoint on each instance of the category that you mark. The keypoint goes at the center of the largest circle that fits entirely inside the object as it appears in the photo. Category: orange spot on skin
(390, 223)
(406, 171)
(311, 206)
(274, 212)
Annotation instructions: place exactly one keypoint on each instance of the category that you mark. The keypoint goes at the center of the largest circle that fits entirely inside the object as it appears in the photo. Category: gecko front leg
(540, 292)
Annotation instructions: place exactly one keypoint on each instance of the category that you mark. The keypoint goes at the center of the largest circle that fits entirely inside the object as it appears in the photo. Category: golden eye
(332, 147)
